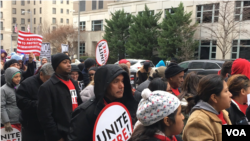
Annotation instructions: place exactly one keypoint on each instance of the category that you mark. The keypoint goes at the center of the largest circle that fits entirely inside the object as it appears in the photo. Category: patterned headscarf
(156, 105)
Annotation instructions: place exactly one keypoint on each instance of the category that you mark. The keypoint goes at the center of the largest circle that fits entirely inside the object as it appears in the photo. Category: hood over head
(104, 76)
(161, 63)
(9, 72)
(3, 51)
(241, 66)
(75, 68)
(205, 106)
(10, 62)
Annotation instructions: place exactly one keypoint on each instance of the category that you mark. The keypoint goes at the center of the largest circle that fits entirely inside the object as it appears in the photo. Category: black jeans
(28, 135)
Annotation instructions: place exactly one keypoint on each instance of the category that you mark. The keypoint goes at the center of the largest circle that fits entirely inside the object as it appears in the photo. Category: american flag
(28, 28)
(29, 42)
(15, 28)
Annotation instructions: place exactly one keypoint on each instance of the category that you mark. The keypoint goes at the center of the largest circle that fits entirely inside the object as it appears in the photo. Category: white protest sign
(14, 135)
(64, 47)
(248, 99)
(102, 52)
(113, 123)
(45, 51)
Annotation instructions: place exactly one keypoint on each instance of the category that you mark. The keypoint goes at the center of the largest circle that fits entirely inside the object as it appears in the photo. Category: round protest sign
(102, 52)
(113, 123)
(14, 135)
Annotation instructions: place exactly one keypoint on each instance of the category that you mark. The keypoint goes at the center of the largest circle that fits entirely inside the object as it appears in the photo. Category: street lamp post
(78, 31)
(30, 19)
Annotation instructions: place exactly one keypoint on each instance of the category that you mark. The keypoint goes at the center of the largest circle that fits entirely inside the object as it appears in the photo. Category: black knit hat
(93, 68)
(10, 62)
(174, 69)
(89, 62)
(57, 59)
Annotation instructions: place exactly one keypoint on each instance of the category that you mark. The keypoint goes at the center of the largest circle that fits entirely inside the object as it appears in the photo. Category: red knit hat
(123, 61)
(241, 66)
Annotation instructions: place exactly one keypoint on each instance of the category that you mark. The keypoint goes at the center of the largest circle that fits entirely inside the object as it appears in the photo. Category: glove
(8, 127)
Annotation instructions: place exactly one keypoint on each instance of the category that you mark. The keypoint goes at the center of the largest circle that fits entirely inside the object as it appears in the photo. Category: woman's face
(177, 127)
(91, 75)
(224, 100)
(20, 63)
(3, 55)
(244, 93)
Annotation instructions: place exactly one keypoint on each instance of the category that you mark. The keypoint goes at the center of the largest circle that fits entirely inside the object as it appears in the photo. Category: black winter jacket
(55, 108)
(235, 115)
(25, 74)
(85, 75)
(140, 88)
(84, 117)
(26, 97)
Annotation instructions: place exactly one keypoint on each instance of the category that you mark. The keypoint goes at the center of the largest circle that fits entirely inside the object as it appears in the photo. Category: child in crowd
(160, 117)
(9, 110)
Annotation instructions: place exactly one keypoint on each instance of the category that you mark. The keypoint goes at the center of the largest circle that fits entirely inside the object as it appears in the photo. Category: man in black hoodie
(57, 99)
(26, 97)
(112, 84)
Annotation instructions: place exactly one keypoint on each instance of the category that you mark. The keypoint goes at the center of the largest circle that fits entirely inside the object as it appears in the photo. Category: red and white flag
(15, 28)
(28, 28)
(29, 42)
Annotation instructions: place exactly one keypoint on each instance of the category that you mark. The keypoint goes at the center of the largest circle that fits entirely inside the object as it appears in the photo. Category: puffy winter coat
(9, 110)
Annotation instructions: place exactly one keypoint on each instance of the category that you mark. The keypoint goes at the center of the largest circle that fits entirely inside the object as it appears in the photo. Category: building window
(54, 20)
(13, 20)
(170, 10)
(40, 20)
(54, 1)
(34, 29)
(22, 2)
(67, 21)
(34, 20)
(28, 20)
(61, 20)
(1, 47)
(67, 11)
(61, 1)
(67, 1)
(34, 2)
(22, 12)
(1, 25)
(1, 16)
(13, 2)
(97, 25)
(54, 10)
(40, 10)
(82, 26)
(82, 5)
(61, 10)
(150, 12)
(40, 1)
(1, 36)
(14, 38)
(241, 49)
(28, 1)
(93, 4)
(23, 28)
(207, 49)
(22, 21)
(34, 11)
(13, 10)
(1, 4)
(54, 28)
(208, 13)
(100, 4)
(82, 49)
(242, 9)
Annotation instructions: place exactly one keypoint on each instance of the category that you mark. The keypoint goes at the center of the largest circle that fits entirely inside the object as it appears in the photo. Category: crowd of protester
(61, 102)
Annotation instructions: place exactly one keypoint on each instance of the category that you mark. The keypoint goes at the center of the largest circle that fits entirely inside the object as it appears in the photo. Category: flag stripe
(29, 42)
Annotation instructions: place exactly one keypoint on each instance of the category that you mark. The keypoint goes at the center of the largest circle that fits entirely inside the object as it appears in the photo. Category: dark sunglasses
(91, 75)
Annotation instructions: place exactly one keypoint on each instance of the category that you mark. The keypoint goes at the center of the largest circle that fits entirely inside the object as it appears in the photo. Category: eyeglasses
(91, 75)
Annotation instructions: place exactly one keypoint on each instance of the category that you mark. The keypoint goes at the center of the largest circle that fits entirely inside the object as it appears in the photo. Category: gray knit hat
(156, 105)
